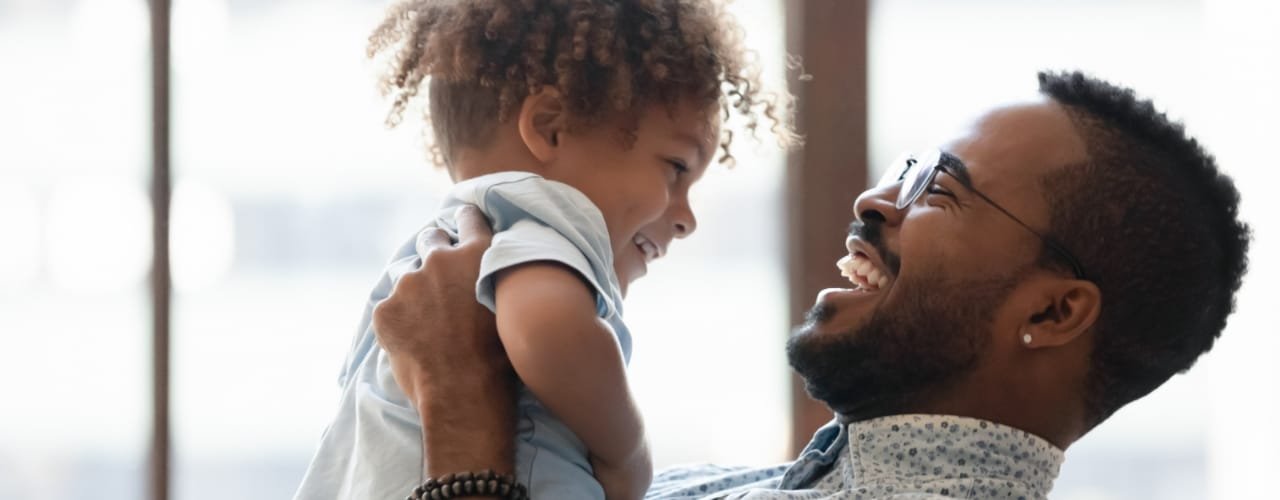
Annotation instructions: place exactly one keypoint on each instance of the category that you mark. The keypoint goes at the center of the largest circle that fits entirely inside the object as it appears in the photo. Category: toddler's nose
(684, 222)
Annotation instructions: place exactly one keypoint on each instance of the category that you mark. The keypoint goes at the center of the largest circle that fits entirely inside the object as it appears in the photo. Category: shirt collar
(944, 446)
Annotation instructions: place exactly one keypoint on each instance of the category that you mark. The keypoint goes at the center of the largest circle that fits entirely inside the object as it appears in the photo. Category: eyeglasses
(917, 174)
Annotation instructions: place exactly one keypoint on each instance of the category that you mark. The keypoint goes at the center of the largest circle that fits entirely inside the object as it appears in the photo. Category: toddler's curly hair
(481, 58)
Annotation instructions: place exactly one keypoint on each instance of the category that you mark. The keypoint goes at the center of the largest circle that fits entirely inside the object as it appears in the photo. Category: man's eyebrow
(957, 168)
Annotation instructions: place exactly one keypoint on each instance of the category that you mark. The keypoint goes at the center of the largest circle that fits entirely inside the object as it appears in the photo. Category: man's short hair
(1155, 225)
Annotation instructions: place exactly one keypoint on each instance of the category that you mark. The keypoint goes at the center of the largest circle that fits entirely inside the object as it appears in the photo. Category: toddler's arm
(571, 361)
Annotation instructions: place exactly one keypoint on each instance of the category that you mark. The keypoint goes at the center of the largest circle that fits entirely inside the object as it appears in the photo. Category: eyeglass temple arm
(1054, 246)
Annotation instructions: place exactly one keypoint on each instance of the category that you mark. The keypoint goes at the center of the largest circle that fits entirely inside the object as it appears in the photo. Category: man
(1012, 289)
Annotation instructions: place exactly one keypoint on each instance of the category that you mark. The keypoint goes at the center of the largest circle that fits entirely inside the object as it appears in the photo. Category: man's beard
(905, 353)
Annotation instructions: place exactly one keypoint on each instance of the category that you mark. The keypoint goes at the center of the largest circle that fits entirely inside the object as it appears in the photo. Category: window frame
(827, 174)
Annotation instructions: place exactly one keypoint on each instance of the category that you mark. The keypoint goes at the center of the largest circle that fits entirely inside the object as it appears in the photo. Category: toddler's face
(642, 190)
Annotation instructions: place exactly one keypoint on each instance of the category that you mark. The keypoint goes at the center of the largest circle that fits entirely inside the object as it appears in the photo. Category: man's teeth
(862, 273)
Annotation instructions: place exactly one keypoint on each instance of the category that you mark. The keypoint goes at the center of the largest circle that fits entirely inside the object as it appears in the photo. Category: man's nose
(879, 204)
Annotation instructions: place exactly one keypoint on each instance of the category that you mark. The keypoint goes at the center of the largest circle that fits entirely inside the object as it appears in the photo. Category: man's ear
(540, 122)
(1064, 310)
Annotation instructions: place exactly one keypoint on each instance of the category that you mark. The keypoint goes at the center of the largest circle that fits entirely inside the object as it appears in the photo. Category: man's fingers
(432, 239)
(473, 227)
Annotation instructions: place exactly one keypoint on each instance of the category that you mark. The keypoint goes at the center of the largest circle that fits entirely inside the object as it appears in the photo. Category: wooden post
(161, 284)
(827, 174)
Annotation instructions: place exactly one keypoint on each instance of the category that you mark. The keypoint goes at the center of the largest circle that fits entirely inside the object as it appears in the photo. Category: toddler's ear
(541, 121)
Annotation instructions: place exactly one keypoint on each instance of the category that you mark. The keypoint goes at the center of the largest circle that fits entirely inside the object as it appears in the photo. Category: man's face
(932, 280)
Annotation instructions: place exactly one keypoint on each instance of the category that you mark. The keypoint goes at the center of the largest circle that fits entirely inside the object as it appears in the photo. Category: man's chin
(844, 372)
(826, 319)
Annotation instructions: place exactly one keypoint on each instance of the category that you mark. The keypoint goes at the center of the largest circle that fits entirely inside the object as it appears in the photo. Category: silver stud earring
(1026, 338)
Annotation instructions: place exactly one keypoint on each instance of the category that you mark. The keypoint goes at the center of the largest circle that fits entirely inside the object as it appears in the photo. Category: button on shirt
(899, 457)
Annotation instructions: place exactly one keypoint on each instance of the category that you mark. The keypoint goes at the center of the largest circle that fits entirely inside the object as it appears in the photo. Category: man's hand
(446, 355)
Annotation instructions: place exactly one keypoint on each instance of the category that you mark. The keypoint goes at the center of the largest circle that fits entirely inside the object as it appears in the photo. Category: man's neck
(1031, 411)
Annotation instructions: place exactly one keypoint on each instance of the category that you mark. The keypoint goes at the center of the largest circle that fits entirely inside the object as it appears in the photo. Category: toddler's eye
(679, 166)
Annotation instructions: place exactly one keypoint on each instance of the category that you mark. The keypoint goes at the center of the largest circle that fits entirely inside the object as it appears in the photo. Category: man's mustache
(872, 234)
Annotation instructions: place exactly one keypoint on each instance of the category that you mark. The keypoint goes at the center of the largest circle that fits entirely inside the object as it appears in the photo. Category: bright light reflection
(99, 235)
(204, 25)
(202, 232)
(103, 29)
(20, 232)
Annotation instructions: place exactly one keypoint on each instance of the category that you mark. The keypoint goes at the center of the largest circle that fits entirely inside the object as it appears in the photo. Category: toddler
(577, 127)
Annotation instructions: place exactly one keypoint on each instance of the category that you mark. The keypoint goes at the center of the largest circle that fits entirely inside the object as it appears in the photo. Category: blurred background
(289, 195)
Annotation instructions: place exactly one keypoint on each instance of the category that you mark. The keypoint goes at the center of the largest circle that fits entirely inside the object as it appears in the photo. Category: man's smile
(863, 266)
(866, 271)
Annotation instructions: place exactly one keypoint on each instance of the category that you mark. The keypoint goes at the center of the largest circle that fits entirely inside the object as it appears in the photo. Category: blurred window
(75, 249)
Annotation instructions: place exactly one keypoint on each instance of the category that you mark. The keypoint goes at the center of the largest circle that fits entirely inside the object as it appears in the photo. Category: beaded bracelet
(483, 483)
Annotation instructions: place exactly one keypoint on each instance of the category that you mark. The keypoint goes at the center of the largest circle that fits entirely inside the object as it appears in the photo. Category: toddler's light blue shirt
(373, 449)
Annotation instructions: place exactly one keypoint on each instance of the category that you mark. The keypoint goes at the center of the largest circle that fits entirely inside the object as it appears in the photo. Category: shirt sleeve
(530, 241)
(363, 344)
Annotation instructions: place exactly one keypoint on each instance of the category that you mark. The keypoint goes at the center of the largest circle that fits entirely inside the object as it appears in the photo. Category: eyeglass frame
(923, 179)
